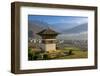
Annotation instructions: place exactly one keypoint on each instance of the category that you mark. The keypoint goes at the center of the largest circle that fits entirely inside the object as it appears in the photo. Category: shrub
(30, 54)
(70, 52)
(45, 56)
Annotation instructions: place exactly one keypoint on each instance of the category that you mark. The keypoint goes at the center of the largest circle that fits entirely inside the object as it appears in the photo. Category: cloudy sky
(52, 20)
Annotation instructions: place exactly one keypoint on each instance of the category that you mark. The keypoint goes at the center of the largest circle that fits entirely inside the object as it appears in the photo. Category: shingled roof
(48, 31)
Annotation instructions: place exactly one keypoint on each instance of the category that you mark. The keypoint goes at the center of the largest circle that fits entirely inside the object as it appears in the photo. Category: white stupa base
(49, 47)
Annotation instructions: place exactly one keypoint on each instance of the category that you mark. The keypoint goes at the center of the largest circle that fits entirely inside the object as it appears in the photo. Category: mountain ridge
(75, 32)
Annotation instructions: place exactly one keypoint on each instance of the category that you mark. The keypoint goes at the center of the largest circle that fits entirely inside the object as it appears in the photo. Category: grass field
(76, 53)
(66, 53)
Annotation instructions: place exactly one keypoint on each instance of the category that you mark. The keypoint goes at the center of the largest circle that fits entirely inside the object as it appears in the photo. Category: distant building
(48, 39)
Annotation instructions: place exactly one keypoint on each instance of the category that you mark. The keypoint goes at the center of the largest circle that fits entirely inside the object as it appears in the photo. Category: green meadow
(66, 53)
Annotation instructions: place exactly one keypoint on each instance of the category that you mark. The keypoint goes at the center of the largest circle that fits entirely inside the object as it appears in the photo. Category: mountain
(76, 33)
(62, 26)
(34, 27)
(37, 25)
(77, 29)
(71, 33)
(79, 36)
